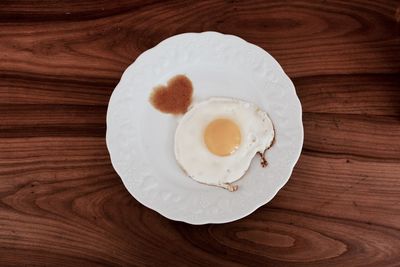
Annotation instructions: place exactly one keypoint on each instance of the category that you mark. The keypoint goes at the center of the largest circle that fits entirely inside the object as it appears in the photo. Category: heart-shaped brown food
(175, 98)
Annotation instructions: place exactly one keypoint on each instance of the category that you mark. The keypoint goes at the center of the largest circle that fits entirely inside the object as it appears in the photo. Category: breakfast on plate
(216, 139)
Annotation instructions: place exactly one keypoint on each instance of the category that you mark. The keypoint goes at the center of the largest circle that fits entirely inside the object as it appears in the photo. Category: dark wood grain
(62, 204)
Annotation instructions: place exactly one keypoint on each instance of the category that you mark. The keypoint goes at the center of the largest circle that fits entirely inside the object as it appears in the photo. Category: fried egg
(216, 140)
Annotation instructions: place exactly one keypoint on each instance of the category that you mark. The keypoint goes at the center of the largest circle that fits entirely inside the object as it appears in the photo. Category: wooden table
(62, 204)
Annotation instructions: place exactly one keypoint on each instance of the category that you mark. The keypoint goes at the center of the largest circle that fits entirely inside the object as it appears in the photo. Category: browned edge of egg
(173, 98)
(263, 160)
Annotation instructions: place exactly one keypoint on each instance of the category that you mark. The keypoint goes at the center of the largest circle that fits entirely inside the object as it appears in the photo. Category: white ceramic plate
(140, 139)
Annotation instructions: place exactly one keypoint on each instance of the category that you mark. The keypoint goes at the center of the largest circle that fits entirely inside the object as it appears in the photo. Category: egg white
(257, 134)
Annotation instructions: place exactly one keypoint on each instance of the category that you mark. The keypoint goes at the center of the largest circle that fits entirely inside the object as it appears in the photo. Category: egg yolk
(222, 137)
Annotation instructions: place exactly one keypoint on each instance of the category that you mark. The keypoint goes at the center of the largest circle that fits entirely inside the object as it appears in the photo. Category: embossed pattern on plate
(140, 139)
